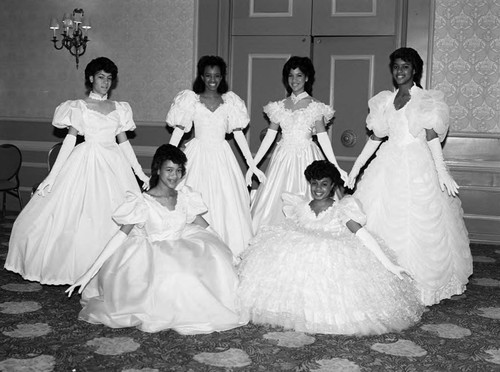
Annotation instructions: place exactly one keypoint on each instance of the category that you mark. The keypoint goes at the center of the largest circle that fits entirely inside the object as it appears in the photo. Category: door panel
(349, 71)
(277, 17)
(257, 64)
(348, 17)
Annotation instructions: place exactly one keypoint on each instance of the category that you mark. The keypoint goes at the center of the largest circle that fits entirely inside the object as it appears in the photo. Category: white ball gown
(56, 238)
(212, 168)
(402, 198)
(313, 275)
(293, 153)
(168, 274)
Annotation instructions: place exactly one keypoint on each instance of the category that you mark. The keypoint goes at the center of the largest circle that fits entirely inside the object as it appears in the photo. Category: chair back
(52, 156)
(10, 162)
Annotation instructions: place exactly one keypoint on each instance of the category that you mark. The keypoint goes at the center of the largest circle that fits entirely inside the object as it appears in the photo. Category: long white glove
(113, 244)
(129, 153)
(370, 147)
(369, 242)
(66, 149)
(264, 147)
(177, 135)
(245, 150)
(444, 177)
(326, 146)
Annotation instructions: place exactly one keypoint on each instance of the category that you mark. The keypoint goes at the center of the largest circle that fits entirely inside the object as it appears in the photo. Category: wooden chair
(10, 164)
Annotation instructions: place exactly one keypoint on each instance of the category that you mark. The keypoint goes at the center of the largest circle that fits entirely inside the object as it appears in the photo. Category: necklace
(295, 99)
(98, 97)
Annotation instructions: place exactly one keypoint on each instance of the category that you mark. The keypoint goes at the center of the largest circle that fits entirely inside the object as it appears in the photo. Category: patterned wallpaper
(150, 41)
(466, 62)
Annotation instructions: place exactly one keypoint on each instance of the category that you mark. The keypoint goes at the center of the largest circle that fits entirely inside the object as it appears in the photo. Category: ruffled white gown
(313, 275)
(403, 201)
(168, 274)
(293, 153)
(212, 168)
(56, 238)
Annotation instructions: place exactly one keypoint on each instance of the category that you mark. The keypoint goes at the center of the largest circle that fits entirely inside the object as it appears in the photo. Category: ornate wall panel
(150, 41)
(466, 62)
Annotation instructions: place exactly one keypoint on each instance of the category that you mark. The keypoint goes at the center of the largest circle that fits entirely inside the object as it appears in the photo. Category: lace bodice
(398, 127)
(209, 126)
(93, 125)
(155, 220)
(332, 221)
(297, 126)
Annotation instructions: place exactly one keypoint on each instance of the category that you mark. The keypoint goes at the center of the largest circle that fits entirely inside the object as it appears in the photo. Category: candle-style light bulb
(54, 25)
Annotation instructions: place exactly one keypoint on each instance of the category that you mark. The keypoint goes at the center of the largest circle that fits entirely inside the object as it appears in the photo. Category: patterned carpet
(40, 332)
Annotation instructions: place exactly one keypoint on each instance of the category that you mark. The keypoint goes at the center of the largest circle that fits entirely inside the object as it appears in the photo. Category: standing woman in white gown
(212, 168)
(410, 199)
(66, 224)
(299, 116)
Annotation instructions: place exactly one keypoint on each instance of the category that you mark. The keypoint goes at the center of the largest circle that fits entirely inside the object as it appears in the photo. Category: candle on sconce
(54, 25)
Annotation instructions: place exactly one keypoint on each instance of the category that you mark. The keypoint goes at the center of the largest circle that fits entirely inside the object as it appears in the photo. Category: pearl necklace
(295, 99)
(98, 97)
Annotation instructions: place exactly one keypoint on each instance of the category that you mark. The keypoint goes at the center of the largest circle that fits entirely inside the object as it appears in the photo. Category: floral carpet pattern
(39, 331)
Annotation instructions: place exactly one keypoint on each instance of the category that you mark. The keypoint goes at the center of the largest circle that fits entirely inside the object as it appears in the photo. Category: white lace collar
(295, 99)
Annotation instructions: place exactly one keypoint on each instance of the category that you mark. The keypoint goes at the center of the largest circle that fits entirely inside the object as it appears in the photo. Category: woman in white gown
(212, 168)
(320, 271)
(408, 195)
(300, 117)
(63, 228)
(164, 269)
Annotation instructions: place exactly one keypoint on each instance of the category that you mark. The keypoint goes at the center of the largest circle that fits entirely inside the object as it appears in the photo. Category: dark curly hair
(408, 55)
(162, 154)
(320, 169)
(305, 65)
(101, 64)
(210, 61)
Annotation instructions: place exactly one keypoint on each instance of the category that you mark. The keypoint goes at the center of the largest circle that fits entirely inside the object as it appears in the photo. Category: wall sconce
(74, 33)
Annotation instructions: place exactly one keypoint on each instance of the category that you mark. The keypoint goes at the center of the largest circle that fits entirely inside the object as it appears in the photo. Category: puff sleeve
(376, 120)
(194, 203)
(69, 114)
(126, 117)
(291, 204)
(134, 210)
(181, 111)
(273, 110)
(350, 209)
(428, 112)
(319, 111)
(236, 111)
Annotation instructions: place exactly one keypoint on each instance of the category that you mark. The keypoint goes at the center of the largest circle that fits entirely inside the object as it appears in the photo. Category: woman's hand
(351, 180)
(47, 184)
(254, 170)
(81, 282)
(397, 270)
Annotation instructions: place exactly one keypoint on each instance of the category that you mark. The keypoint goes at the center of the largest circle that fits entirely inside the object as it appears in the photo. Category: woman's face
(321, 189)
(297, 79)
(212, 77)
(170, 174)
(101, 82)
(402, 72)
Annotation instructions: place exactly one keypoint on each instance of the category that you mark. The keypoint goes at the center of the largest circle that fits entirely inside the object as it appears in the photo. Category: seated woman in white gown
(165, 268)
(320, 271)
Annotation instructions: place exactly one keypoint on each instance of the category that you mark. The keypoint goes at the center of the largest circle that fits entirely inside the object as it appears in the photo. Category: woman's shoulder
(122, 106)
(382, 97)
(186, 96)
(231, 98)
(274, 106)
(74, 103)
